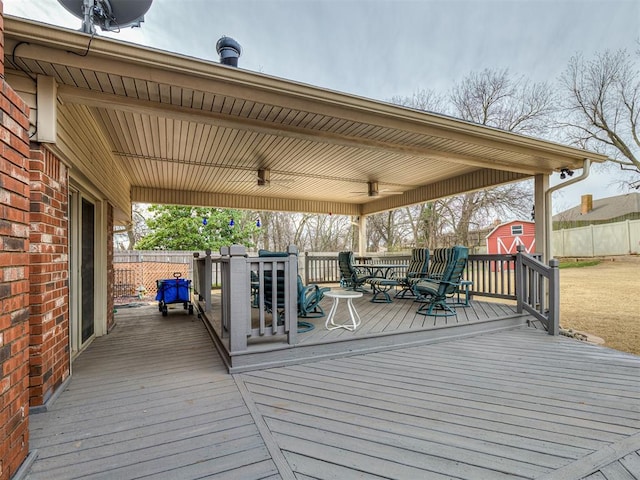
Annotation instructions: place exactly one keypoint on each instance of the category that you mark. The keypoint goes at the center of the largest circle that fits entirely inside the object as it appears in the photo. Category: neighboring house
(596, 228)
(604, 210)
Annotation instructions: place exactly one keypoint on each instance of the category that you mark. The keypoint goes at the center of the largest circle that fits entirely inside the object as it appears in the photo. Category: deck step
(280, 354)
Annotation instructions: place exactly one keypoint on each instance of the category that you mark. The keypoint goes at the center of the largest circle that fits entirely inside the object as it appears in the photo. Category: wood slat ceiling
(189, 125)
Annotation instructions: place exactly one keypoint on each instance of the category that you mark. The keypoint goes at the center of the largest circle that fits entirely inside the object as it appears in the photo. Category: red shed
(507, 236)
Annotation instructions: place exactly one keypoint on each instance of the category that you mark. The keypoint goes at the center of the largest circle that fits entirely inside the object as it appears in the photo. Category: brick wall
(49, 289)
(14, 277)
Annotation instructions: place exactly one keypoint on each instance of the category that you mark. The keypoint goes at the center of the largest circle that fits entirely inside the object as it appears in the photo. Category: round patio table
(354, 318)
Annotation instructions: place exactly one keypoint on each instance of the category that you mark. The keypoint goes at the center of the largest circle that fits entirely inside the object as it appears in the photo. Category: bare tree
(603, 107)
(133, 231)
(425, 100)
(492, 98)
(388, 230)
(313, 232)
(416, 225)
(277, 230)
(417, 220)
(322, 233)
(495, 99)
(332, 233)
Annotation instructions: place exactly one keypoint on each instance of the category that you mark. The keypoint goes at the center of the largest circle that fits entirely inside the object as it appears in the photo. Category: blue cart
(174, 290)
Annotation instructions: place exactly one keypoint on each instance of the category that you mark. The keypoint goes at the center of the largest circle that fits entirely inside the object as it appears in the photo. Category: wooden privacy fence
(136, 272)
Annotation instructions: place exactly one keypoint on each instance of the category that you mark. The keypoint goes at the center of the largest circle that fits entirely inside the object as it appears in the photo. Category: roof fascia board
(133, 60)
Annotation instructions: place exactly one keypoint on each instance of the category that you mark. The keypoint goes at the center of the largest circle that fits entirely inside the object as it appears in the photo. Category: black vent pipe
(229, 51)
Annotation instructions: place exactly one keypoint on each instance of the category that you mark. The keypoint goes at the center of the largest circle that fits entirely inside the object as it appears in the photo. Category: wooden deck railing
(520, 277)
(493, 275)
(243, 315)
(202, 271)
(323, 267)
(538, 290)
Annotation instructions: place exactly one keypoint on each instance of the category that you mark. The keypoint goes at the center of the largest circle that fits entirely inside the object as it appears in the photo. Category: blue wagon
(174, 290)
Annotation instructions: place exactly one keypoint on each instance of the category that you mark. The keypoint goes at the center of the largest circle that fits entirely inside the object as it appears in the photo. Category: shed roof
(498, 227)
(181, 130)
(603, 209)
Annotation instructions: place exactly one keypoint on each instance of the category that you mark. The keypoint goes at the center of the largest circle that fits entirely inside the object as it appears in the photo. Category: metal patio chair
(435, 291)
(352, 278)
(416, 270)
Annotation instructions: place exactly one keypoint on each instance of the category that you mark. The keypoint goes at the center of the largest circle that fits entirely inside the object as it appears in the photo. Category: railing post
(519, 273)
(291, 307)
(554, 298)
(196, 275)
(237, 295)
(207, 281)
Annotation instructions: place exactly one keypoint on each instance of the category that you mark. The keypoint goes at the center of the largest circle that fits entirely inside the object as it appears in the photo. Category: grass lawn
(604, 300)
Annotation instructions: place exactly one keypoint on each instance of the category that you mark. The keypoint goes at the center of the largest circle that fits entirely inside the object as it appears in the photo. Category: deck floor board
(153, 400)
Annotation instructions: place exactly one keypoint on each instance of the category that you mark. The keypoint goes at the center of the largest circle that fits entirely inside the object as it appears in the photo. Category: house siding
(14, 277)
(501, 240)
(49, 266)
(83, 146)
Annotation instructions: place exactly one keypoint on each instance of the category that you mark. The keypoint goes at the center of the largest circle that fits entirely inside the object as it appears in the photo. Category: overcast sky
(385, 48)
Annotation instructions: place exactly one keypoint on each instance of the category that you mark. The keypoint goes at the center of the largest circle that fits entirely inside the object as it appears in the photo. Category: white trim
(515, 241)
(507, 223)
(77, 193)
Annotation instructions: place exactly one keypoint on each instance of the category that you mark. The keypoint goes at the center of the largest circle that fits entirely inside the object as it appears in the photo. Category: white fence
(621, 238)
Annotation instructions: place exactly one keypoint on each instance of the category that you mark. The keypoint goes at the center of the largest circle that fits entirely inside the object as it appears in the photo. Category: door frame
(77, 193)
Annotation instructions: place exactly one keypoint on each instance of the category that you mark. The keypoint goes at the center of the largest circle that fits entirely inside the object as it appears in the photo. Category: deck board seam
(281, 463)
(596, 460)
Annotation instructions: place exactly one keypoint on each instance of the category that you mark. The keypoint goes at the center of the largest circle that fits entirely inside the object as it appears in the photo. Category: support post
(541, 184)
(238, 299)
(362, 235)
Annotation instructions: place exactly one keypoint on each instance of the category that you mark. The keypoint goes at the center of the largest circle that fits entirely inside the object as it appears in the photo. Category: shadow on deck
(153, 400)
(384, 326)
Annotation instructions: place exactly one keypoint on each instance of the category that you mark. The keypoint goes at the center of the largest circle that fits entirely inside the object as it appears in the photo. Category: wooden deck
(153, 400)
(384, 326)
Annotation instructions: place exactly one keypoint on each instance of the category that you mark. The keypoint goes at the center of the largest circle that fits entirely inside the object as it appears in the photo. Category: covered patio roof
(144, 125)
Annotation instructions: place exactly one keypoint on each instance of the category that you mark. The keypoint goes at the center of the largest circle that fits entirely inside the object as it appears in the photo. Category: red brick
(14, 247)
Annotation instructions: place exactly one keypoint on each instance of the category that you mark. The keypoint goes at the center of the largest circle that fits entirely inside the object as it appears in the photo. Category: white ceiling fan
(373, 190)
